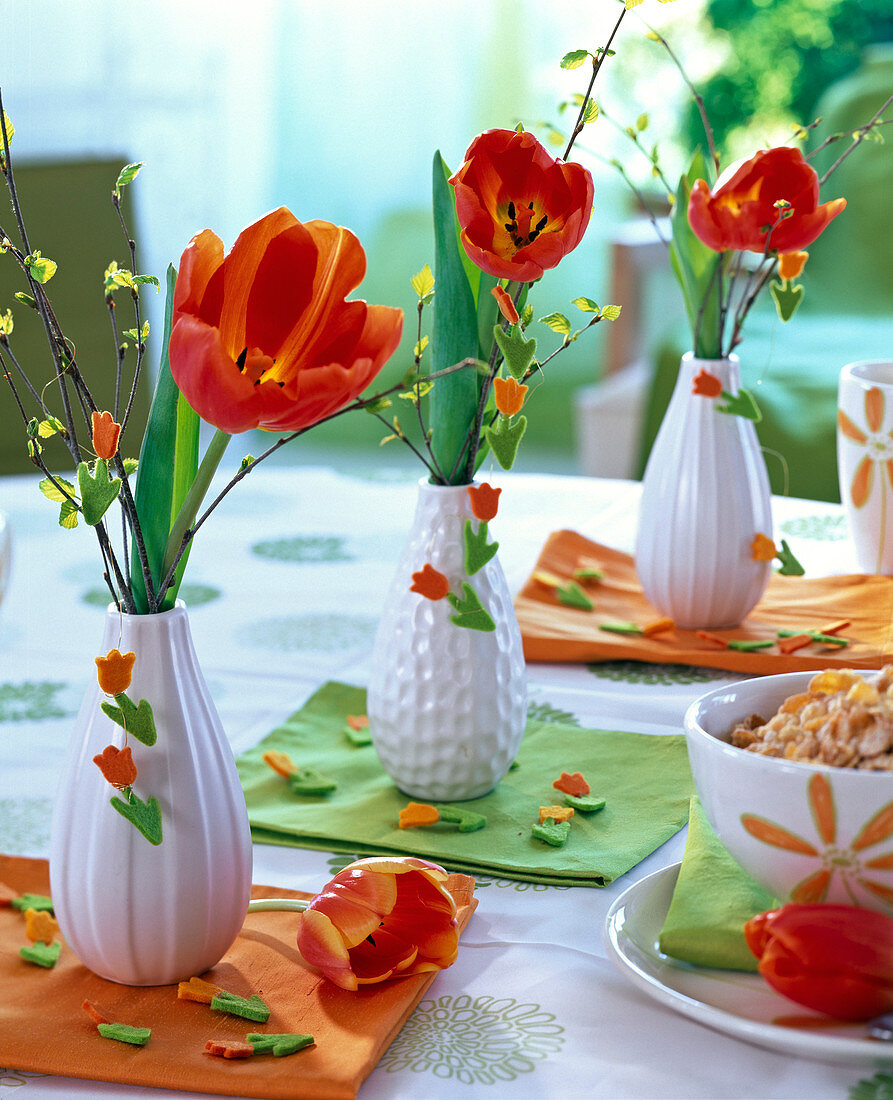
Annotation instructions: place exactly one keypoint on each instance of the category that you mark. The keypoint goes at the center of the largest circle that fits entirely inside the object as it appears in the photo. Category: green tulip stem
(290, 905)
(178, 538)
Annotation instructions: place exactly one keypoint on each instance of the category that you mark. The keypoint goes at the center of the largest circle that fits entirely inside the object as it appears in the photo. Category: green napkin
(711, 902)
(645, 780)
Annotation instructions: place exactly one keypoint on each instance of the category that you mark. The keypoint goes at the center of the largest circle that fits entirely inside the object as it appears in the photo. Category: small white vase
(447, 705)
(131, 911)
(705, 496)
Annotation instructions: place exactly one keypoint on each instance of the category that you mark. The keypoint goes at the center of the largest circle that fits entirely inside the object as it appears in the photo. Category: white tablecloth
(285, 585)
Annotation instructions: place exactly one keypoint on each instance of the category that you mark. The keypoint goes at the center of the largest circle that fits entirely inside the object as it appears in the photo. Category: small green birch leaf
(141, 280)
(42, 268)
(378, 405)
(787, 298)
(419, 348)
(504, 438)
(477, 550)
(642, 122)
(469, 610)
(97, 491)
(611, 313)
(590, 113)
(9, 128)
(741, 404)
(131, 465)
(143, 816)
(25, 299)
(557, 322)
(423, 282)
(419, 391)
(68, 515)
(6, 323)
(574, 59)
(247, 461)
(517, 350)
(48, 487)
(127, 175)
(586, 305)
(49, 427)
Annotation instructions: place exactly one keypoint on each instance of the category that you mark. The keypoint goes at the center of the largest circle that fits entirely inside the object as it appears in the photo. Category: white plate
(730, 1001)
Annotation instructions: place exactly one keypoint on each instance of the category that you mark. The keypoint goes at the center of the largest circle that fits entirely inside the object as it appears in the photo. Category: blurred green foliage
(780, 56)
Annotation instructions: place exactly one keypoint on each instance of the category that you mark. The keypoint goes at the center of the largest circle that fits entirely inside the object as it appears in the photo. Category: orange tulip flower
(484, 501)
(430, 583)
(738, 210)
(114, 671)
(117, 766)
(509, 395)
(706, 384)
(521, 211)
(263, 337)
(106, 432)
(381, 918)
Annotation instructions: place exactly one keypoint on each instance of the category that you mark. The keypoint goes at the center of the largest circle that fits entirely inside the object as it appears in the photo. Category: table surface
(284, 586)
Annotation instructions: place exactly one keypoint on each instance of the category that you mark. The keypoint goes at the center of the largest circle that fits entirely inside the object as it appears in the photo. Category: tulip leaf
(167, 466)
(454, 401)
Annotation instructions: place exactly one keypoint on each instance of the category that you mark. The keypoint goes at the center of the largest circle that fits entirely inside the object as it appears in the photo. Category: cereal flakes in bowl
(795, 774)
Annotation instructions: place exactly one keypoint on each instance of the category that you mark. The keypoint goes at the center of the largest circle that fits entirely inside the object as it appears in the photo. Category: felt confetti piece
(572, 595)
(705, 384)
(620, 628)
(551, 831)
(714, 639)
(310, 781)
(586, 575)
(430, 583)
(251, 1008)
(747, 645)
(659, 626)
(835, 627)
(117, 766)
(42, 954)
(818, 636)
(144, 816)
(504, 438)
(585, 803)
(571, 783)
(229, 1048)
(98, 490)
(415, 814)
(197, 989)
(477, 550)
(280, 762)
(138, 720)
(7, 896)
(114, 671)
(124, 1033)
(467, 820)
(518, 350)
(358, 737)
(470, 613)
(762, 548)
(543, 576)
(793, 642)
(484, 501)
(96, 1012)
(40, 926)
(790, 566)
(506, 306)
(357, 722)
(557, 813)
(279, 1045)
(32, 901)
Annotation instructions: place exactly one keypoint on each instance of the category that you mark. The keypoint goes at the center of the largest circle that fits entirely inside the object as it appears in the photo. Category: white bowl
(805, 832)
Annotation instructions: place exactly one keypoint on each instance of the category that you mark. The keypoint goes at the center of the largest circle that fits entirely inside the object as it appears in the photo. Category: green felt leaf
(124, 1033)
(252, 1008)
(746, 645)
(42, 954)
(470, 612)
(278, 1045)
(144, 816)
(467, 820)
(787, 298)
(551, 831)
(98, 491)
(454, 400)
(743, 403)
(477, 550)
(137, 720)
(573, 595)
(360, 738)
(310, 781)
(585, 803)
(504, 438)
(517, 351)
(620, 628)
(39, 902)
(791, 567)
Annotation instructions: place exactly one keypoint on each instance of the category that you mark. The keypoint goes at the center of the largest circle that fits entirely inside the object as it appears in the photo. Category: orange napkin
(555, 632)
(44, 1029)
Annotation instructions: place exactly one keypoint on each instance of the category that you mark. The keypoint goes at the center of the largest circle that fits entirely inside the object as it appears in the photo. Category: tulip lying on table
(835, 959)
(378, 918)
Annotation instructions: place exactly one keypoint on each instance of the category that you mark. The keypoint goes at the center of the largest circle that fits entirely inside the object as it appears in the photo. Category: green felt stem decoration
(98, 490)
(471, 613)
(477, 550)
(144, 816)
(136, 720)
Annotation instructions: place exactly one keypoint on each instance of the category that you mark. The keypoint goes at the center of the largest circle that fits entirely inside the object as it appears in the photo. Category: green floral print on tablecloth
(476, 1041)
(15, 1078)
(25, 824)
(819, 528)
(304, 549)
(193, 595)
(879, 1087)
(637, 672)
(506, 883)
(33, 701)
(310, 633)
(541, 711)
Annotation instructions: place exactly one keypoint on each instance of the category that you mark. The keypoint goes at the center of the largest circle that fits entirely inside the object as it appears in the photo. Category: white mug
(865, 460)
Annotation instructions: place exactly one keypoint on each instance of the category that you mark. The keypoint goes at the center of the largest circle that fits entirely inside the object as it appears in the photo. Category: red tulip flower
(263, 337)
(521, 211)
(380, 918)
(738, 212)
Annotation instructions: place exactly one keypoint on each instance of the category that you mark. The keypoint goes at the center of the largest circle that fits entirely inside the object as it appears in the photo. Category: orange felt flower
(521, 211)
(40, 926)
(106, 432)
(381, 918)
(358, 722)
(414, 814)
(506, 305)
(117, 766)
(509, 395)
(484, 501)
(762, 548)
(706, 384)
(280, 762)
(738, 211)
(571, 783)
(430, 583)
(114, 671)
(263, 337)
(791, 264)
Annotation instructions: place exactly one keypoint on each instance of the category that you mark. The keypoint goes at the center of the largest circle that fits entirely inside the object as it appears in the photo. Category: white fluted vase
(447, 705)
(705, 496)
(135, 912)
